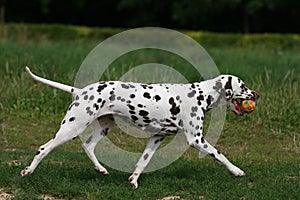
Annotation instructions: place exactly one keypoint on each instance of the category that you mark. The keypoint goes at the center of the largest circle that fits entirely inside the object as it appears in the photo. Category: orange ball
(248, 105)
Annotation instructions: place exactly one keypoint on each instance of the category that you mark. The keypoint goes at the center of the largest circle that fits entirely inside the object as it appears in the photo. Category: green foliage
(46, 32)
(266, 40)
(59, 32)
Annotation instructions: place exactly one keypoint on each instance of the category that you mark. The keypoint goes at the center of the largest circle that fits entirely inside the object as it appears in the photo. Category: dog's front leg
(153, 144)
(201, 144)
(217, 155)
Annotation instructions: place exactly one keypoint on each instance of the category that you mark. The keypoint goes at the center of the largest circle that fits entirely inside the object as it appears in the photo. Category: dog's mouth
(237, 104)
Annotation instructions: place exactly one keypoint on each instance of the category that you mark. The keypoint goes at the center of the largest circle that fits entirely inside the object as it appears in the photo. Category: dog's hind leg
(153, 144)
(70, 128)
(101, 127)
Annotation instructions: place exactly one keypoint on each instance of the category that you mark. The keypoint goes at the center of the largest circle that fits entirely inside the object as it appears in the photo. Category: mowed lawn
(265, 143)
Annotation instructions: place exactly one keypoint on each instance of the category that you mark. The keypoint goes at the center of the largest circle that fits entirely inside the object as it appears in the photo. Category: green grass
(265, 143)
(185, 178)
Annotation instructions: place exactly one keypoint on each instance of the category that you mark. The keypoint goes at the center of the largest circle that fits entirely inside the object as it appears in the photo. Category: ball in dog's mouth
(243, 105)
(237, 103)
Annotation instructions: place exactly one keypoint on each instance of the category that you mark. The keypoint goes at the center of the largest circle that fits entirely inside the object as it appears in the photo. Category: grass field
(265, 143)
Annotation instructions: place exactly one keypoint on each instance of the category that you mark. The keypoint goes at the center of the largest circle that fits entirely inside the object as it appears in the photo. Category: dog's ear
(226, 93)
(228, 88)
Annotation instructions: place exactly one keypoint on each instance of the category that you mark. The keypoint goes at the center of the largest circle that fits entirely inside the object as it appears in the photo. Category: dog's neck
(215, 95)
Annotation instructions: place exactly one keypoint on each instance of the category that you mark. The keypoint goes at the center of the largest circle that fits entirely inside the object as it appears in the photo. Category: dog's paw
(237, 171)
(25, 171)
(101, 170)
(133, 181)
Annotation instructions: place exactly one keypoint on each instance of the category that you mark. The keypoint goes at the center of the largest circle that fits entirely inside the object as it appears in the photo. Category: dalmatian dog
(184, 107)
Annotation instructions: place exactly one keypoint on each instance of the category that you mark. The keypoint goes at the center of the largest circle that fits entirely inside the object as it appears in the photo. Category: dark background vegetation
(243, 16)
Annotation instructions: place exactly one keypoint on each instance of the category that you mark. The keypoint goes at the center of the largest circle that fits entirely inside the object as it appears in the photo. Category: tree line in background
(212, 15)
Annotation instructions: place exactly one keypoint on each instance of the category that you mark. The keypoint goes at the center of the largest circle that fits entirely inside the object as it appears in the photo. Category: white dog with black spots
(159, 109)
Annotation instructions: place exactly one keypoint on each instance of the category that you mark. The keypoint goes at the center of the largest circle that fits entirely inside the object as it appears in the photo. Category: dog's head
(233, 91)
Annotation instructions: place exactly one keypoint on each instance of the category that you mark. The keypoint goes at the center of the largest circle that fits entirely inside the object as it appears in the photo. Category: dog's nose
(256, 95)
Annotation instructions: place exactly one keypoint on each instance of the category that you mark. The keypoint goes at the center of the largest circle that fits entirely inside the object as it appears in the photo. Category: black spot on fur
(99, 100)
(200, 98)
(143, 113)
(70, 107)
(124, 86)
(101, 87)
(88, 111)
(85, 97)
(131, 107)
(144, 86)
(146, 156)
(147, 121)
(174, 109)
(194, 108)
(134, 118)
(147, 95)
(112, 97)
(96, 106)
(76, 104)
(202, 140)
(180, 123)
(132, 96)
(157, 98)
(92, 97)
(171, 101)
(158, 140)
(228, 85)
(209, 100)
(191, 94)
(72, 119)
(103, 102)
(89, 140)
(132, 112)
(193, 114)
(140, 105)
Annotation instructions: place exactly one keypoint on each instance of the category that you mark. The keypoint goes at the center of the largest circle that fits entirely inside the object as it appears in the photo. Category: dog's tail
(67, 88)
